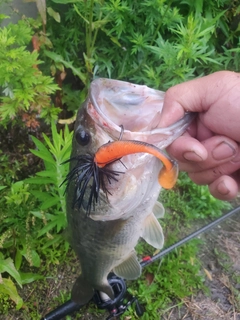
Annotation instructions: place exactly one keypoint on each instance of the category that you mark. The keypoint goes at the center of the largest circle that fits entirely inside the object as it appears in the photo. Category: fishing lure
(94, 169)
(113, 151)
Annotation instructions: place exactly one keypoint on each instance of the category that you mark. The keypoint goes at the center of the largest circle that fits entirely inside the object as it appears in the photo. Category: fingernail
(222, 189)
(223, 151)
(192, 156)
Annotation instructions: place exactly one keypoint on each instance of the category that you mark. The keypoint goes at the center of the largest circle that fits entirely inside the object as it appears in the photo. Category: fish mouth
(113, 105)
(120, 103)
(137, 108)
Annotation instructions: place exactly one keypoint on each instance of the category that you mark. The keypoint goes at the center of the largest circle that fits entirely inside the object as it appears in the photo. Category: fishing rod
(118, 306)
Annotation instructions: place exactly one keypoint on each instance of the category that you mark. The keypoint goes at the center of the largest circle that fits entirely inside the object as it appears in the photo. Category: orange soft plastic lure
(115, 150)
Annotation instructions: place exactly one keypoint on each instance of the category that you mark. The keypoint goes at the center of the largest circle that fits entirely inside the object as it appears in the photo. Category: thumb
(193, 96)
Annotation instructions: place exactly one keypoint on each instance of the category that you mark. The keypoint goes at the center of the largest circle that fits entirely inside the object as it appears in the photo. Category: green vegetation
(192, 201)
(46, 67)
(27, 233)
(173, 278)
(25, 91)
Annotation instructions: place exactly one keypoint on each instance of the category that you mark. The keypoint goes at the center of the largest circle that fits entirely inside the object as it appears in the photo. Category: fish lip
(101, 119)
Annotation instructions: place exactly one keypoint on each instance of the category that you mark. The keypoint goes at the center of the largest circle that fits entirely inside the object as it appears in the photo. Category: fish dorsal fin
(152, 232)
(130, 268)
(158, 210)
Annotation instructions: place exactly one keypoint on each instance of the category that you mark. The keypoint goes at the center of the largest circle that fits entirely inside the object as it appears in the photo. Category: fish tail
(82, 291)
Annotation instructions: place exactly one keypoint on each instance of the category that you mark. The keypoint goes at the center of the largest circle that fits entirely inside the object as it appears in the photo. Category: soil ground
(220, 256)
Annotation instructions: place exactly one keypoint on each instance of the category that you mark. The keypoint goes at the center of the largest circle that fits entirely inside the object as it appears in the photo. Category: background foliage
(46, 67)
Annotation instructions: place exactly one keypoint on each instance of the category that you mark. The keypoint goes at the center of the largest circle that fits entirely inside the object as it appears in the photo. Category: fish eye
(82, 136)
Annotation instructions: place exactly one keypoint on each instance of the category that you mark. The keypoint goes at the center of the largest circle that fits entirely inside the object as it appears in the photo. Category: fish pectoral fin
(152, 232)
(82, 291)
(158, 210)
(130, 268)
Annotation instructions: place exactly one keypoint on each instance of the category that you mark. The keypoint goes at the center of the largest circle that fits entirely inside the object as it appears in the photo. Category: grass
(176, 276)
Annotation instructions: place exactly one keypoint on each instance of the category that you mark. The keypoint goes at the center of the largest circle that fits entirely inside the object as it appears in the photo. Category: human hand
(209, 151)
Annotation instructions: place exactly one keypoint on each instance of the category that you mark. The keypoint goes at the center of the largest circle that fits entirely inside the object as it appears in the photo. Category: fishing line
(122, 131)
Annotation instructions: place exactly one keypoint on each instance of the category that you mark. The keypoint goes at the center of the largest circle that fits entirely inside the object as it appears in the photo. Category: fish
(117, 169)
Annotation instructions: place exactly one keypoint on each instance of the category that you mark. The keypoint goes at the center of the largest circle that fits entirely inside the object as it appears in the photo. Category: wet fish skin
(105, 240)
(100, 245)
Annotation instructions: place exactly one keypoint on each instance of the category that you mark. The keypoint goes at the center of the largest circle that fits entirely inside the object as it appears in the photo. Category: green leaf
(41, 195)
(7, 265)
(55, 146)
(3, 16)
(28, 277)
(40, 215)
(47, 228)
(41, 5)
(57, 238)
(9, 288)
(18, 259)
(43, 152)
(50, 203)
(54, 14)
(46, 156)
(47, 173)
(64, 1)
(32, 257)
(36, 180)
(57, 58)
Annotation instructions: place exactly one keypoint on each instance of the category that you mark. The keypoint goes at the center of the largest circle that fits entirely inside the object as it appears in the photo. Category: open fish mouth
(120, 103)
(111, 106)
(137, 108)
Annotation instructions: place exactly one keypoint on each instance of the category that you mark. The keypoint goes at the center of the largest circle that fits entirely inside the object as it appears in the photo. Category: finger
(212, 174)
(224, 188)
(198, 130)
(220, 150)
(236, 177)
(187, 149)
(197, 95)
(194, 156)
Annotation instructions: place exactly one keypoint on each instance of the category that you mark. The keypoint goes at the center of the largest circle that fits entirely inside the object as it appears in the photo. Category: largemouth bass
(114, 181)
